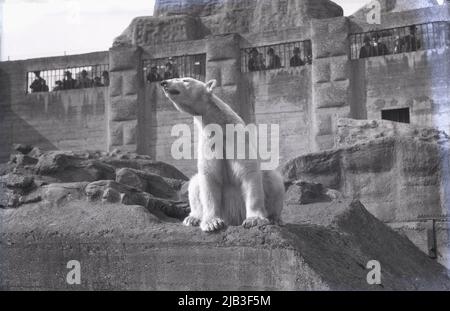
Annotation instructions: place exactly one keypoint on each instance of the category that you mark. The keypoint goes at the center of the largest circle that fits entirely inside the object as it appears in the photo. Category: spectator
(105, 76)
(261, 62)
(308, 49)
(45, 87)
(296, 60)
(380, 48)
(59, 86)
(153, 75)
(253, 64)
(68, 82)
(98, 82)
(170, 72)
(368, 50)
(398, 43)
(274, 61)
(410, 42)
(84, 81)
(38, 85)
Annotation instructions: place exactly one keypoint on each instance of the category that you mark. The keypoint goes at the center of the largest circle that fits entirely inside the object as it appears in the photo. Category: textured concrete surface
(396, 178)
(352, 132)
(324, 246)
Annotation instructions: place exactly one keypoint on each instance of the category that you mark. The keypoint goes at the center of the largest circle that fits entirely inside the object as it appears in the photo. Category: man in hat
(59, 86)
(170, 72)
(153, 75)
(254, 62)
(367, 50)
(84, 81)
(411, 42)
(379, 47)
(296, 60)
(68, 82)
(39, 84)
(105, 76)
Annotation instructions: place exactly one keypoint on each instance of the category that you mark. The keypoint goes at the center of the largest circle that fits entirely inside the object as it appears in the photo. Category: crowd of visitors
(68, 82)
(170, 72)
(373, 47)
(257, 62)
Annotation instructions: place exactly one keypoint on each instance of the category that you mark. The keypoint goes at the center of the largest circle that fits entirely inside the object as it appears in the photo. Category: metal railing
(68, 78)
(275, 56)
(193, 66)
(400, 40)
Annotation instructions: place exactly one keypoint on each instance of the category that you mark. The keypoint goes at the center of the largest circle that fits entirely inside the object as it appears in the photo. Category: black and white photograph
(225, 150)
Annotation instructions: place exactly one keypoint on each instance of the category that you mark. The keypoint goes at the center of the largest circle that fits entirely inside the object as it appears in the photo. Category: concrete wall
(72, 119)
(419, 81)
(283, 97)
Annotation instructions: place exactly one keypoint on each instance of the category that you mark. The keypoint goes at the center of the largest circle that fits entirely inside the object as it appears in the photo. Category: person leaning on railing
(68, 82)
(153, 75)
(380, 48)
(39, 84)
(84, 81)
(296, 60)
(410, 42)
(367, 50)
(105, 76)
(274, 61)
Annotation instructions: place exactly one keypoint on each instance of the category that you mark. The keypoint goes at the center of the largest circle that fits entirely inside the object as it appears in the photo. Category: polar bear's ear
(210, 85)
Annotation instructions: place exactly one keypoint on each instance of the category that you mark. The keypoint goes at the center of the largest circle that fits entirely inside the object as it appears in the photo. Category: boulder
(153, 167)
(22, 148)
(23, 160)
(71, 167)
(109, 191)
(301, 192)
(59, 194)
(16, 181)
(145, 182)
(322, 246)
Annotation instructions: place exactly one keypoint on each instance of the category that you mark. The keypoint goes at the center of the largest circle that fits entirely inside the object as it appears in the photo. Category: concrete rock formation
(410, 176)
(127, 231)
(181, 20)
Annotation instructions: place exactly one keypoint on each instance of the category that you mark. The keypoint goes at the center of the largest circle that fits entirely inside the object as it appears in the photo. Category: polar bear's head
(189, 95)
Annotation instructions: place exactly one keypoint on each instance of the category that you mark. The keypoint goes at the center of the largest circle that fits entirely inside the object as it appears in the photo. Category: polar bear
(225, 191)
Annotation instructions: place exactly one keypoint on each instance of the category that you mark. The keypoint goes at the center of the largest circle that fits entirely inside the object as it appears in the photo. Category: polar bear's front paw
(255, 221)
(191, 221)
(212, 225)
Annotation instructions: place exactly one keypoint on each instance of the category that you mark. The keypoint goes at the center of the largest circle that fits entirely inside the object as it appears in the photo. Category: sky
(39, 28)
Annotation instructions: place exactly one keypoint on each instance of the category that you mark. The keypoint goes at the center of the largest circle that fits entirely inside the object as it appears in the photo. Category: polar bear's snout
(166, 85)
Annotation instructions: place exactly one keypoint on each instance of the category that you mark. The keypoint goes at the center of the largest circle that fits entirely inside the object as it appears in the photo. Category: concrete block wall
(330, 79)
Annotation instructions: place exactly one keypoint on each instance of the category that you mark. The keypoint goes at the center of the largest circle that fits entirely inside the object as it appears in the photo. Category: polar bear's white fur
(224, 191)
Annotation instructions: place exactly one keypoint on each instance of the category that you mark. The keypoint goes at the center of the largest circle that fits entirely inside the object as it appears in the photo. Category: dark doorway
(396, 115)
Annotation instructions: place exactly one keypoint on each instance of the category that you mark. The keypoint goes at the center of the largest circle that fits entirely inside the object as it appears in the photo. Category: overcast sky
(37, 28)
